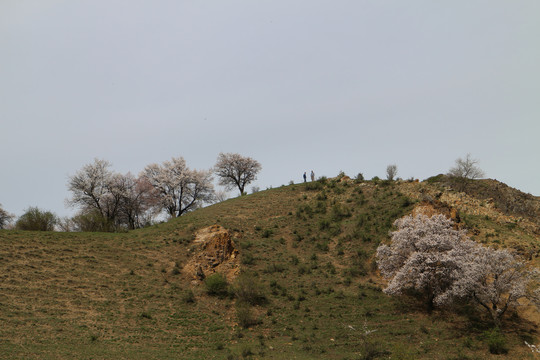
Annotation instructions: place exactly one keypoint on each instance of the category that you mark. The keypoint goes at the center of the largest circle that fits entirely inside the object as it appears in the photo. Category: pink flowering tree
(422, 256)
(178, 188)
(494, 279)
(428, 255)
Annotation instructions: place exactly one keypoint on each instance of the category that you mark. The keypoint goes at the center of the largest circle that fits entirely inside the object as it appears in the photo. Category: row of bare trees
(109, 201)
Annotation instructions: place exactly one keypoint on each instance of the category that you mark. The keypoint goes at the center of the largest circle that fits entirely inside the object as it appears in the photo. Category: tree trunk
(430, 304)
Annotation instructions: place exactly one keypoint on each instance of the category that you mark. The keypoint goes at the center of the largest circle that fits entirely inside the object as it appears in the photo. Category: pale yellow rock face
(215, 252)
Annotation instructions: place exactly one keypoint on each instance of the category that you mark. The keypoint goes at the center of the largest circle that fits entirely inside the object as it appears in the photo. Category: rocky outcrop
(214, 251)
(462, 202)
(435, 207)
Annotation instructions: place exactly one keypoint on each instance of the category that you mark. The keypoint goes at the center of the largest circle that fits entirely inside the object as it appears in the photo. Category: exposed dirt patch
(214, 252)
(435, 207)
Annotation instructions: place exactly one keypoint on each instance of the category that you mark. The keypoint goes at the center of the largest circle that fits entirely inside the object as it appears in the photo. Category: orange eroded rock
(214, 252)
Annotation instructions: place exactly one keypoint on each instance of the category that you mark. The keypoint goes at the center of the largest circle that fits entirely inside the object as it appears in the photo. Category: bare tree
(107, 200)
(66, 224)
(235, 170)
(137, 201)
(221, 196)
(178, 188)
(90, 188)
(466, 168)
(5, 218)
(391, 172)
(89, 220)
(98, 190)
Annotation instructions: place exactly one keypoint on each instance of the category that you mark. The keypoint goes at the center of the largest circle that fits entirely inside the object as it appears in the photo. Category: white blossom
(178, 188)
(430, 256)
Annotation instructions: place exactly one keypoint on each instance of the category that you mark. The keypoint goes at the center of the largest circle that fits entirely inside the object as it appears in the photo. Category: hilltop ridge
(307, 252)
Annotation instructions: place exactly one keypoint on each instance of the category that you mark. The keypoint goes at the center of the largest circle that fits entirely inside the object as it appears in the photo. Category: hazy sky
(298, 85)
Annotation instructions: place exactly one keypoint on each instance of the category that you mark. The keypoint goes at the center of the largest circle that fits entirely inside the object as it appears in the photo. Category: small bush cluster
(247, 290)
(340, 212)
(216, 285)
(35, 219)
(304, 210)
(314, 186)
(248, 258)
(188, 297)
(274, 268)
(245, 316)
(496, 342)
(267, 233)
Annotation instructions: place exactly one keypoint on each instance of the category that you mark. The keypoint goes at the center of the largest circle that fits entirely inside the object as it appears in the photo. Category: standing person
(312, 176)
(304, 176)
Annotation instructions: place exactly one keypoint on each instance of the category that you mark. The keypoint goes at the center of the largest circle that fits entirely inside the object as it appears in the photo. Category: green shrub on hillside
(245, 316)
(247, 258)
(435, 179)
(35, 219)
(304, 209)
(324, 224)
(340, 212)
(247, 289)
(267, 233)
(322, 196)
(188, 297)
(216, 285)
(314, 185)
(496, 342)
(320, 207)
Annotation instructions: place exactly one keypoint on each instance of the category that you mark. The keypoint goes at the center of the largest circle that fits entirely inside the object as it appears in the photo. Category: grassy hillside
(305, 250)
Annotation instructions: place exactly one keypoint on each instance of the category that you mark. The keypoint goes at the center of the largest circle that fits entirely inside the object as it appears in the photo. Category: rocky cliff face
(506, 199)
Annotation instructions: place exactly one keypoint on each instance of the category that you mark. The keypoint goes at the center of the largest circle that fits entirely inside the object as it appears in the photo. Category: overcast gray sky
(296, 84)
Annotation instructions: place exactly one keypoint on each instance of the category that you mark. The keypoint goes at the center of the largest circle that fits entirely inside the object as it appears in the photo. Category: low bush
(247, 290)
(245, 316)
(216, 285)
(496, 342)
(314, 186)
(435, 179)
(35, 219)
(304, 210)
(248, 258)
(274, 268)
(324, 224)
(188, 297)
(340, 212)
(322, 196)
(267, 233)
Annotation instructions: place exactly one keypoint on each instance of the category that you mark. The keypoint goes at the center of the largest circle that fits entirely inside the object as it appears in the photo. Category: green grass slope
(307, 251)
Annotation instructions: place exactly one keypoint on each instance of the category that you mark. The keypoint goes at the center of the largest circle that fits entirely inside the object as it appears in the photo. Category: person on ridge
(312, 176)
(304, 176)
